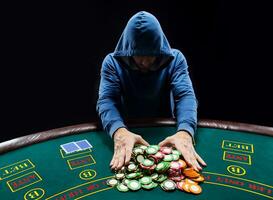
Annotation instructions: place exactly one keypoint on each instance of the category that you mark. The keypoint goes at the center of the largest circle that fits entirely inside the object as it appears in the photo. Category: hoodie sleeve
(109, 98)
(185, 103)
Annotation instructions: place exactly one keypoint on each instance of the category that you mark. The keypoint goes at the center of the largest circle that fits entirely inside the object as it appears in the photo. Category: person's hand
(124, 142)
(182, 141)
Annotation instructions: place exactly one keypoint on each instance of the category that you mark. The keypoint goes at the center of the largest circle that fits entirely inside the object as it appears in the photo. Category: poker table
(239, 161)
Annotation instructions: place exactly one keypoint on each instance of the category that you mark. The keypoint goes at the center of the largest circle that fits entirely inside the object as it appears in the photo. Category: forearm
(186, 114)
(109, 115)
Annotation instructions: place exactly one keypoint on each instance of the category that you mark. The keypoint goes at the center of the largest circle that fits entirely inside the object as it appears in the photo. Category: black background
(53, 52)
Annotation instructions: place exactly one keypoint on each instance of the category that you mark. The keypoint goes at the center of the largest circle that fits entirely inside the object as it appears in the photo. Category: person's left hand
(182, 141)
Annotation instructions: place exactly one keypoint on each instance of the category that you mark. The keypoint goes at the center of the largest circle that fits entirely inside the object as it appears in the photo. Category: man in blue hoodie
(144, 78)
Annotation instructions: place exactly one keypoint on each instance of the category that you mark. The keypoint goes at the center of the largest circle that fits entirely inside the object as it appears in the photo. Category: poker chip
(137, 151)
(191, 181)
(159, 155)
(125, 181)
(168, 158)
(148, 162)
(132, 167)
(145, 180)
(120, 176)
(176, 152)
(195, 189)
(134, 185)
(140, 158)
(154, 176)
(122, 188)
(191, 173)
(175, 165)
(149, 186)
(143, 147)
(151, 150)
(182, 163)
(166, 150)
(168, 185)
(186, 187)
(133, 175)
(199, 179)
(152, 166)
(175, 157)
(112, 182)
(179, 185)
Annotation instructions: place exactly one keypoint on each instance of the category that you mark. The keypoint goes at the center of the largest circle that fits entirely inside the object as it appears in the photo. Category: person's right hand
(124, 142)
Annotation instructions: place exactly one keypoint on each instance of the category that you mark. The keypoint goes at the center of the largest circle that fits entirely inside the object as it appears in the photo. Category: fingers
(118, 158)
(128, 153)
(113, 159)
(189, 154)
(200, 159)
(121, 159)
(142, 141)
(191, 161)
(165, 142)
(122, 156)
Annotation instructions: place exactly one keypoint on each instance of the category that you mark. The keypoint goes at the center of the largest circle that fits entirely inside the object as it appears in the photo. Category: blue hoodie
(165, 91)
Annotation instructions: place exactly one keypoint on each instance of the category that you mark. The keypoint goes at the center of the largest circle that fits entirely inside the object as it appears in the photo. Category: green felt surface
(40, 170)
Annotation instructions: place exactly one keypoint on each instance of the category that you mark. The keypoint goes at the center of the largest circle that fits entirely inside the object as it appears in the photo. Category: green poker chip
(122, 188)
(131, 175)
(134, 185)
(161, 178)
(155, 146)
(148, 186)
(168, 158)
(140, 158)
(154, 176)
(162, 167)
(175, 157)
(145, 180)
(137, 151)
(142, 147)
(132, 167)
(168, 185)
(151, 150)
(120, 176)
(112, 182)
(148, 162)
(176, 152)
(125, 181)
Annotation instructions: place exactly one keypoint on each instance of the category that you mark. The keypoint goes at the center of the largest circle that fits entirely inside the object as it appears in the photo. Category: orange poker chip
(195, 189)
(190, 181)
(182, 164)
(186, 187)
(191, 173)
(199, 179)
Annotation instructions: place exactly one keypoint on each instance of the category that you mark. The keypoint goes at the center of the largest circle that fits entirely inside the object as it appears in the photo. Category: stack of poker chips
(153, 166)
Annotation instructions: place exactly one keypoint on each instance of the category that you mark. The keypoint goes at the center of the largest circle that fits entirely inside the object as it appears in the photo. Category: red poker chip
(166, 150)
(144, 167)
(173, 173)
(159, 155)
(179, 185)
(177, 178)
(154, 158)
(175, 165)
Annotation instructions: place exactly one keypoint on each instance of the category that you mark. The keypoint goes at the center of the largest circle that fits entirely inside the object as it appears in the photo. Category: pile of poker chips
(153, 166)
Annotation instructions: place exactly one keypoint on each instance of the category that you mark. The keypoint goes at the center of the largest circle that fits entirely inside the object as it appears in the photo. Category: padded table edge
(133, 123)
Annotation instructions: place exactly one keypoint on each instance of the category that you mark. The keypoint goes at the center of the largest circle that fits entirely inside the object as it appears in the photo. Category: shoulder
(178, 55)
(108, 59)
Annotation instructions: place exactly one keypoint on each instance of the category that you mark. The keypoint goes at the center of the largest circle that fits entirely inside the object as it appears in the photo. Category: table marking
(15, 168)
(243, 184)
(24, 181)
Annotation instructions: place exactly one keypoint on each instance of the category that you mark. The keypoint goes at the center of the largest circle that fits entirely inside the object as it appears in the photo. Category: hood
(143, 36)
